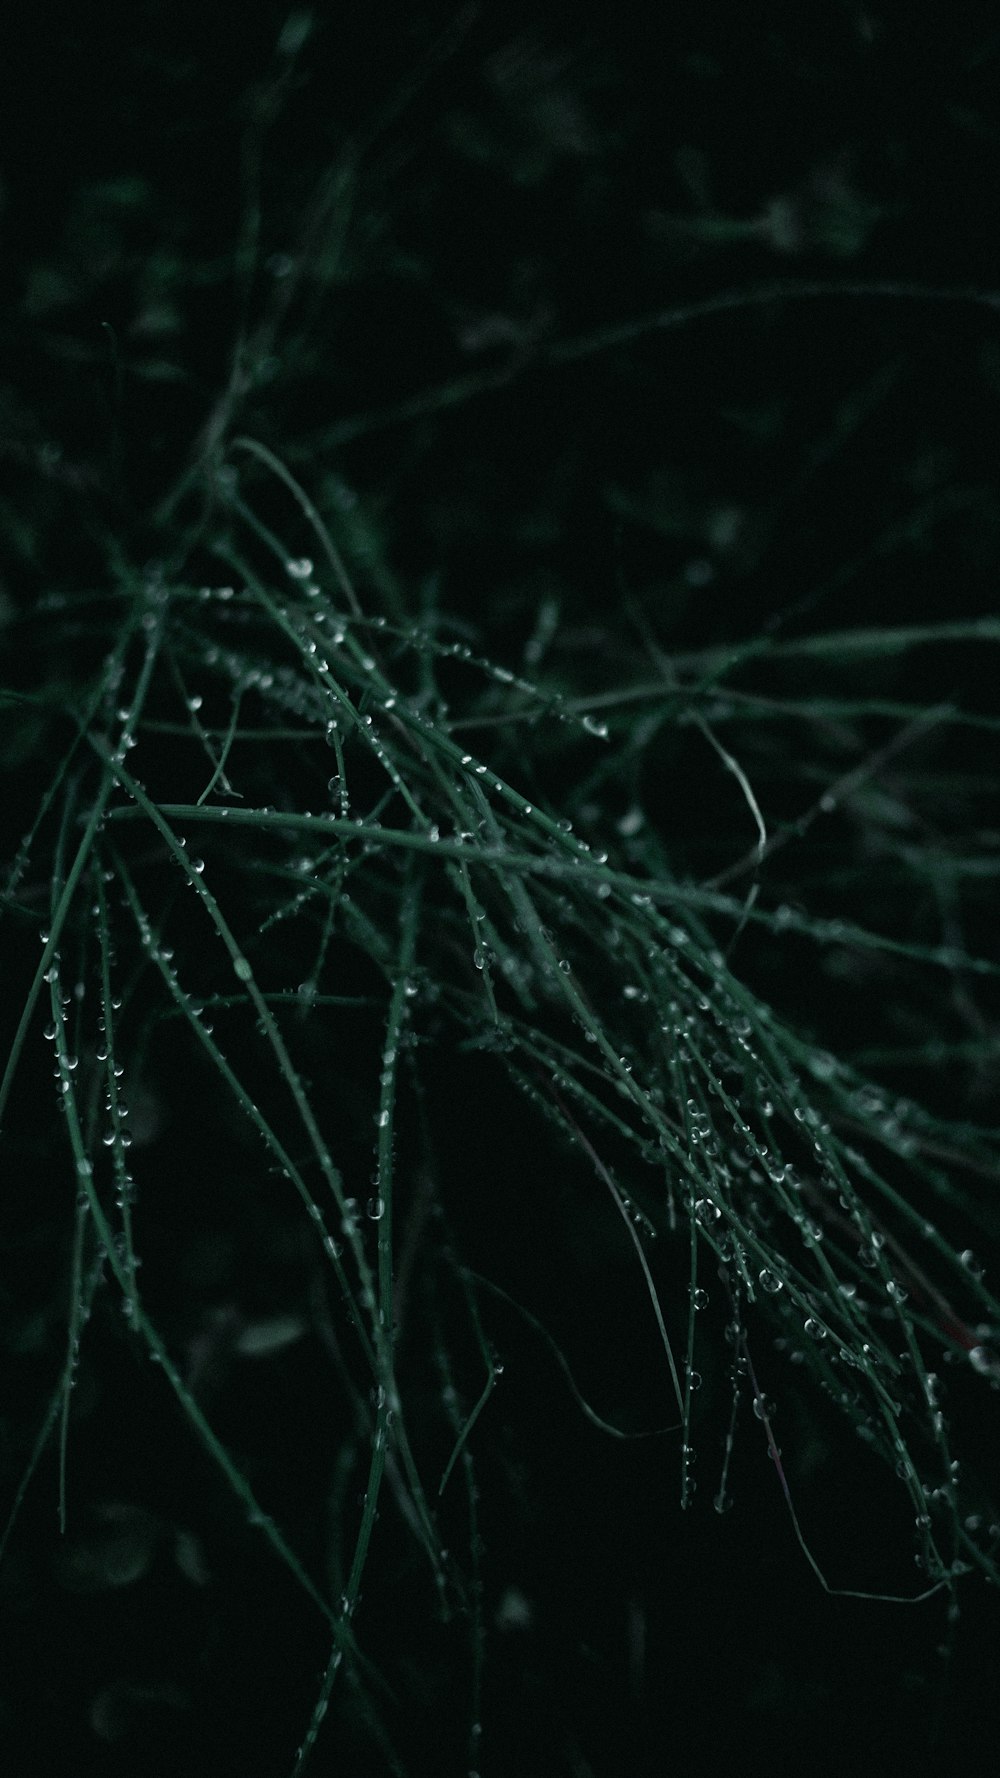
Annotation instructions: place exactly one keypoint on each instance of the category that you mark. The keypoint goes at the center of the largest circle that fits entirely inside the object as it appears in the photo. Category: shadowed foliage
(498, 720)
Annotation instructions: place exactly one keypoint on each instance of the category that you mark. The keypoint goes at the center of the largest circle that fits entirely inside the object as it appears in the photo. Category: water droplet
(376, 1208)
(242, 969)
(700, 1299)
(299, 567)
(769, 1282)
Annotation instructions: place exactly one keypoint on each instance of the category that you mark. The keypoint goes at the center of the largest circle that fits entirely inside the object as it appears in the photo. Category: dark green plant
(417, 976)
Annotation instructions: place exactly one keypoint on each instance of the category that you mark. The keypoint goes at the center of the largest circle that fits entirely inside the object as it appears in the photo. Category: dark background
(518, 181)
